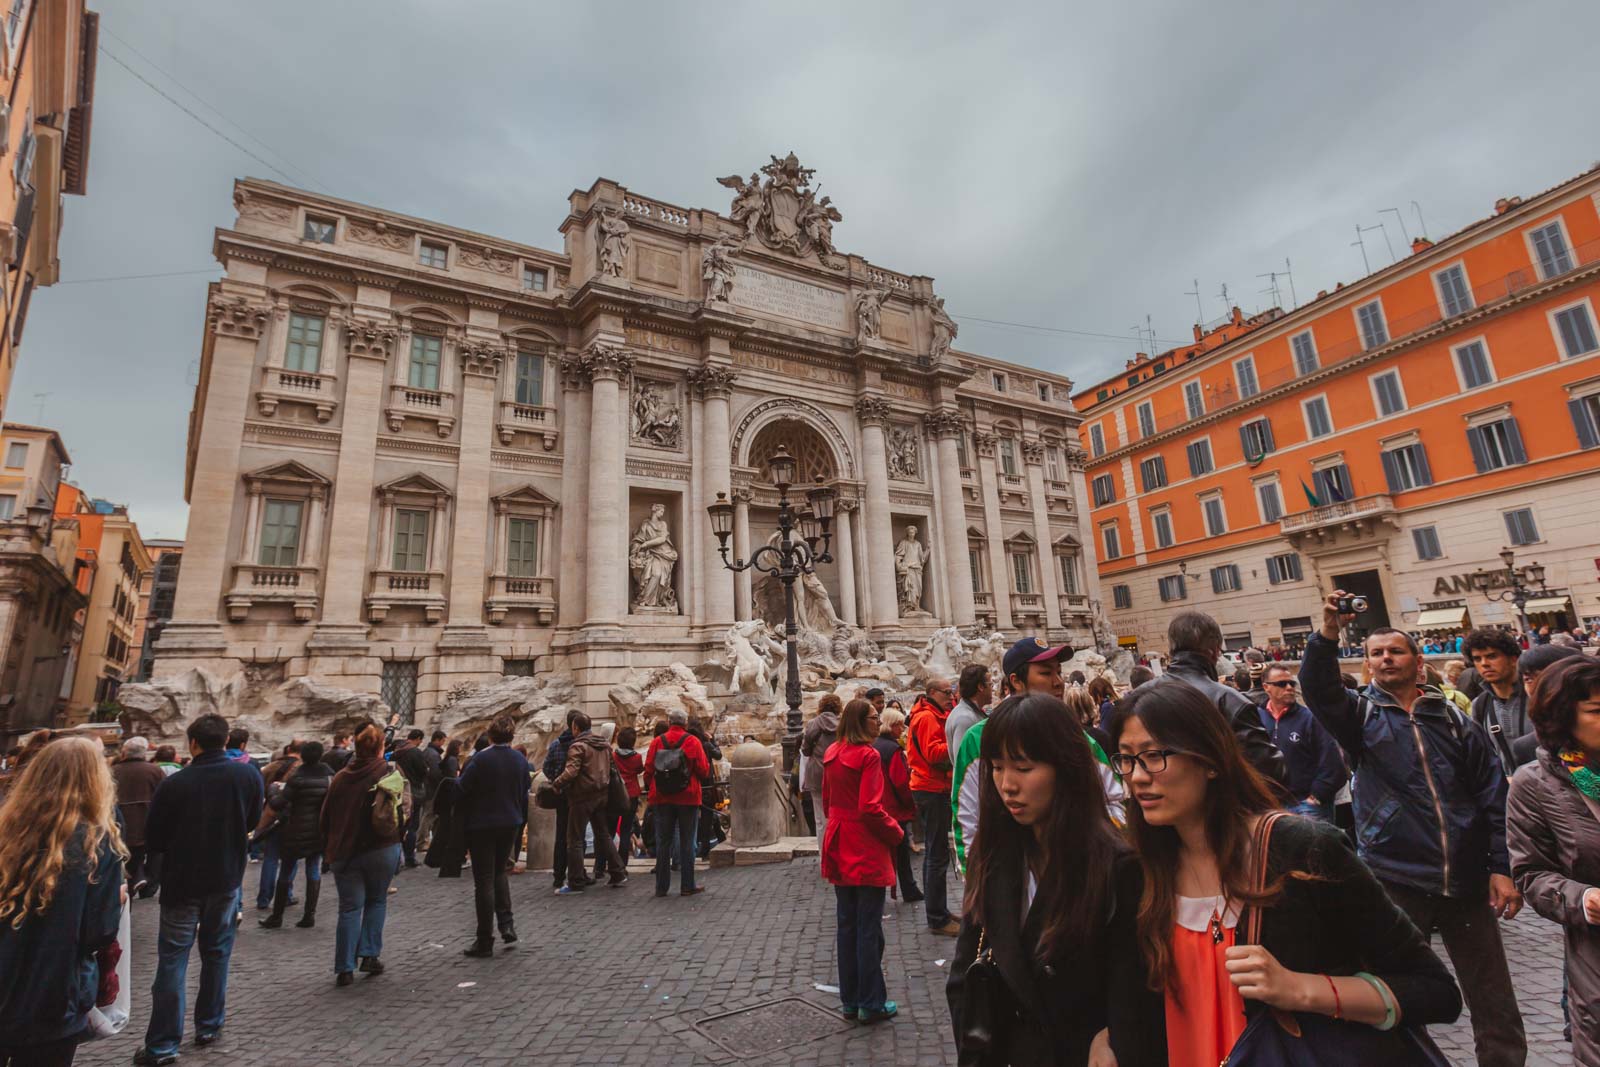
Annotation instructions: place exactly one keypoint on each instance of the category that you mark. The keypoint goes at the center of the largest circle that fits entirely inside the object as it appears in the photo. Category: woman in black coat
(448, 849)
(298, 807)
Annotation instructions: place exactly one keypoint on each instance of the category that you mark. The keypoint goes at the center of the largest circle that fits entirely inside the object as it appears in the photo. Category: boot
(309, 918)
(280, 901)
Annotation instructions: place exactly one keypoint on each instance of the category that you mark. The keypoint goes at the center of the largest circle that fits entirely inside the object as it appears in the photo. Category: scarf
(1587, 781)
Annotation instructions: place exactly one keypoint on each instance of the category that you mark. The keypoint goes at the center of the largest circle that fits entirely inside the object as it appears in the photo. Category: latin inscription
(904, 391)
(790, 298)
(789, 369)
(661, 342)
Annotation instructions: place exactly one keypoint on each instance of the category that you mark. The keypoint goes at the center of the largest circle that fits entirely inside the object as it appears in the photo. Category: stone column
(994, 528)
(877, 527)
(252, 525)
(844, 550)
(714, 384)
(311, 550)
(741, 550)
(1076, 459)
(608, 365)
(480, 376)
(572, 602)
(946, 427)
(1049, 588)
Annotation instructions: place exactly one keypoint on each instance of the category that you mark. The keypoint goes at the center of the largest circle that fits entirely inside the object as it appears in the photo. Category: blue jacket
(555, 757)
(1310, 755)
(200, 821)
(494, 788)
(48, 973)
(1430, 795)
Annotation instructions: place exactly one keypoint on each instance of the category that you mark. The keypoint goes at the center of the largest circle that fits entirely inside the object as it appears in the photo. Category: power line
(136, 277)
(1052, 329)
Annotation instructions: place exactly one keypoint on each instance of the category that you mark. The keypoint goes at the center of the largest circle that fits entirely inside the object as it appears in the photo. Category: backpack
(391, 804)
(670, 768)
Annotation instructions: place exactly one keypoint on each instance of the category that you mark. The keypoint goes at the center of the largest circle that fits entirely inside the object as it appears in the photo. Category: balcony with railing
(508, 592)
(534, 419)
(279, 385)
(1074, 604)
(1027, 604)
(419, 589)
(257, 584)
(1358, 516)
(430, 405)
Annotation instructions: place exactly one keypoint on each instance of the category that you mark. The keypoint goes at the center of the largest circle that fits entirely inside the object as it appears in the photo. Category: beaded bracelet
(1392, 1012)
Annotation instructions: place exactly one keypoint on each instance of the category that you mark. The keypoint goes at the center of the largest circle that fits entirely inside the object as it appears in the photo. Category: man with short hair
(136, 780)
(929, 755)
(673, 769)
(494, 789)
(433, 752)
(1311, 756)
(337, 756)
(200, 821)
(876, 698)
(238, 747)
(555, 761)
(413, 764)
(585, 782)
(976, 695)
(1430, 805)
(1502, 706)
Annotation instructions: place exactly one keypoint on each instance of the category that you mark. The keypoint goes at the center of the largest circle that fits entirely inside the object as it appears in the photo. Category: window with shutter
(1472, 362)
(1112, 541)
(1305, 353)
(1161, 522)
(1256, 437)
(1245, 373)
(1225, 579)
(1406, 468)
(1216, 521)
(1386, 393)
(1319, 423)
(304, 350)
(411, 539)
(1576, 327)
(1171, 587)
(1153, 473)
(1193, 399)
(1121, 597)
(1199, 453)
(280, 533)
(1374, 330)
(1520, 527)
(1147, 420)
(1332, 484)
(1283, 568)
(1495, 445)
(1550, 249)
(1454, 296)
(1270, 500)
(1104, 490)
(1097, 441)
(1426, 541)
(1585, 412)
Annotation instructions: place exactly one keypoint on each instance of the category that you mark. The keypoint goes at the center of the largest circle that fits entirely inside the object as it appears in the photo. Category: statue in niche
(613, 240)
(716, 265)
(902, 454)
(813, 607)
(869, 313)
(656, 418)
(652, 559)
(909, 557)
(944, 331)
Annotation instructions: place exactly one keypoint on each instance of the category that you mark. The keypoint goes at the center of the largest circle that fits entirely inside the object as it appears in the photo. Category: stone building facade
(421, 456)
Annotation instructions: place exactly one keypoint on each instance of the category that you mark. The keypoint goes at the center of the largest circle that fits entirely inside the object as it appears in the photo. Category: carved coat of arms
(783, 211)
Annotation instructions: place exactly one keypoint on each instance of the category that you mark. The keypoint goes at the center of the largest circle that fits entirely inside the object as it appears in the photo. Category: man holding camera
(1430, 802)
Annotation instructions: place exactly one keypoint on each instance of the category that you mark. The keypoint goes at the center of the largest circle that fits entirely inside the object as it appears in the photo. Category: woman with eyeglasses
(1331, 942)
(1052, 900)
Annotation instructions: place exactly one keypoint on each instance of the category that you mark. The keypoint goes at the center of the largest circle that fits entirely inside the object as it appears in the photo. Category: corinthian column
(945, 427)
(714, 384)
(480, 375)
(873, 413)
(844, 550)
(608, 487)
(1033, 456)
(573, 602)
(741, 550)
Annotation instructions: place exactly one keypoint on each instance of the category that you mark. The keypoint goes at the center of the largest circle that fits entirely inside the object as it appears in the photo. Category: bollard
(755, 803)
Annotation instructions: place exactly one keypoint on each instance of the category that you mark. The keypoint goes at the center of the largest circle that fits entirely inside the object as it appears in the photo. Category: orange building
(114, 560)
(1390, 438)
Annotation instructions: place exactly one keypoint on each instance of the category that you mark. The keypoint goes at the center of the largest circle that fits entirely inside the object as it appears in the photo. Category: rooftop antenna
(1290, 275)
(1401, 219)
(1420, 224)
(1227, 305)
(1199, 311)
(40, 397)
(1272, 287)
(1360, 243)
(1389, 244)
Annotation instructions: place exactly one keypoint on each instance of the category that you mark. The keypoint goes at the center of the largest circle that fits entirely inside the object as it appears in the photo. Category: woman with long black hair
(1053, 898)
(1330, 941)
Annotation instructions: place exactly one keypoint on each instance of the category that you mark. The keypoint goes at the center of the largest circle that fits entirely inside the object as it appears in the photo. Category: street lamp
(787, 561)
(1515, 591)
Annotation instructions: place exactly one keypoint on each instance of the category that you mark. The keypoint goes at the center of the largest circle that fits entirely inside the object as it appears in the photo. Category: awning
(1549, 603)
(1127, 642)
(1443, 618)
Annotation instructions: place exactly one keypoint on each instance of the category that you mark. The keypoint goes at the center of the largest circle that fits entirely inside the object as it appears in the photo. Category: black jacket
(299, 808)
(494, 788)
(200, 821)
(1060, 1004)
(1196, 670)
(336, 758)
(414, 765)
(1513, 736)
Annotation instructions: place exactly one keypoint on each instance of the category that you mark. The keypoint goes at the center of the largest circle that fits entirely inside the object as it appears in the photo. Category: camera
(1352, 605)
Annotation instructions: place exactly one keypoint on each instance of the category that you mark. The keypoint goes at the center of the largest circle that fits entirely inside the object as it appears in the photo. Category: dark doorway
(1365, 584)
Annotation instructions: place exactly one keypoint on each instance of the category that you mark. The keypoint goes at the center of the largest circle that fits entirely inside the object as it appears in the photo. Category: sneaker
(210, 1037)
(951, 928)
(617, 881)
(889, 1010)
(145, 1058)
(568, 890)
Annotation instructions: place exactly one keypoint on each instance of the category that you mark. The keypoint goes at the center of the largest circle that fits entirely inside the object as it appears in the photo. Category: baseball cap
(1031, 650)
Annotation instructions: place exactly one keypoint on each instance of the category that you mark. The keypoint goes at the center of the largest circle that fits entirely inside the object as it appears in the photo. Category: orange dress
(1202, 1029)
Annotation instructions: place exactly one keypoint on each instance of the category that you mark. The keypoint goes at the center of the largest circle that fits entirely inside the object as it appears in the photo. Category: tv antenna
(1227, 305)
(1401, 219)
(1272, 287)
(1199, 310)
(41, 398)
(1420, 224)
(1361, 243)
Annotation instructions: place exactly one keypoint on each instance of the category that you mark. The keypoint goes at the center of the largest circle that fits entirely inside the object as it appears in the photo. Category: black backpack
(670, 768)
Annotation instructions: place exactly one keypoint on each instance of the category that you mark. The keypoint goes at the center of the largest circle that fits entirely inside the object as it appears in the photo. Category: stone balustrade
(535, 419)
(280, 385)
(255, 584)
(434, 405)
(509, 592)
(391, 588)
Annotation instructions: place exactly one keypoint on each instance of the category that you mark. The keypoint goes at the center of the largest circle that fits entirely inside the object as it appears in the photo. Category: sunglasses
(1290, 684)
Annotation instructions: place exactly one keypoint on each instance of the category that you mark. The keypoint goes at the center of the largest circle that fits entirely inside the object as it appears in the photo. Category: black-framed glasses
(1153, 762)
(1291, 683)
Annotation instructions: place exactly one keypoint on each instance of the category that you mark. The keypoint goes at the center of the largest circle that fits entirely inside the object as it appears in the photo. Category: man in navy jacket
(1315, 769)
(200, 821)
(494, 788)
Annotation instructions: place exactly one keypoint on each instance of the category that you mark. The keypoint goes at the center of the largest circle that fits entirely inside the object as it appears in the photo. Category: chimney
(1238, 316)
(1199, 334)
(1501, 206)
(1321, 293)
(1420, 244)
(1141, 357)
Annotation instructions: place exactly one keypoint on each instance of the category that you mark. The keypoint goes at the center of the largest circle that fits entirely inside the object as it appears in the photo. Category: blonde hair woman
(61, 891)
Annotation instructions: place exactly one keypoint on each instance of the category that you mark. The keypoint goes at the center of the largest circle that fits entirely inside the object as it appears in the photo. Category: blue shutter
(1514, 439)
(1244, 440)
(1583, 419)
(1267, 439)
(1391, 472)
(1422, 465)
(1480, 454)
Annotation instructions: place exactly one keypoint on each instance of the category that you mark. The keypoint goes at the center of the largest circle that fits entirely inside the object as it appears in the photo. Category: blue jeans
(1320, 812)
(212, 916)
(363, 882)
(933, 812)
(270, 861)
(677, 831)
(859, 913)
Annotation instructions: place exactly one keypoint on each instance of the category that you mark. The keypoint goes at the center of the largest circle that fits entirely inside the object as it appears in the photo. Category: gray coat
(1554, 840)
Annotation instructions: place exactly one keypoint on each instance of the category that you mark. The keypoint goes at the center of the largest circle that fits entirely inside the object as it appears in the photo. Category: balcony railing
(257, 583)
(1027, 604)
(509, 592)
(1343, 511)
(280, 385)
(435, 405)
(390, 588)
(1074, 604)
(533, 419)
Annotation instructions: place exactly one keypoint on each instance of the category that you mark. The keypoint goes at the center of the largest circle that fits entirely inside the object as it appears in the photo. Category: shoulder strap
(1260, 842)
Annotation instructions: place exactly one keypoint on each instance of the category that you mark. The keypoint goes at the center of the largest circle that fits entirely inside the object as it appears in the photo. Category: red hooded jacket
(699, 767)
(858, 845)
(927, 750)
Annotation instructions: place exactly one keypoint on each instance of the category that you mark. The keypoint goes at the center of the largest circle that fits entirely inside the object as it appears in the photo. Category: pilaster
(873, 414)
(1033, 458)
(945, 427)
(994, 528)
(607, 365)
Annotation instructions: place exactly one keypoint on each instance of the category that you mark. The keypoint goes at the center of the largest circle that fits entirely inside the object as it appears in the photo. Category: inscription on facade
(790, 298)
(791, 369)
(661, 342)
(904, 391)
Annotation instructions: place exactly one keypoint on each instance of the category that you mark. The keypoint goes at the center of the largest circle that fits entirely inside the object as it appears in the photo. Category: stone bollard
(754, 801)
(541, 832)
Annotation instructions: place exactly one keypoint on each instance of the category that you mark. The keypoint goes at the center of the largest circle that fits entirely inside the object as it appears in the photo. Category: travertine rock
(538, 706)
(273, 711)
(644, 698)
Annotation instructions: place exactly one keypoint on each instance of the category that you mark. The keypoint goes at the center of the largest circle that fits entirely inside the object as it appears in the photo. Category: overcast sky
(1054, 165)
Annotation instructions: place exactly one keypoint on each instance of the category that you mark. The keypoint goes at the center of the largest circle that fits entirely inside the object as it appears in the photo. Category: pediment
(1068, 543)
(416, 482)
(288, 471)
(524, 496)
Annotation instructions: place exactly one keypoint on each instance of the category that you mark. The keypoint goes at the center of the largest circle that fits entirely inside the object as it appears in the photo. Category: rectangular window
(998, 380)
(1472, 363)
(1008, 457)
(1585, 411)
(8, 506)
(1052, 463)
(1216, 520)
(1386, 393)
(1454, 296)
(535, 279)
(17, 454)
(433, 255)
(1319, 423)
(1112, 541)
(1097, 441)
(1147, 419)
(1199, 453)
(973, 562)
(1426, 541)
(1550, 249)
(1044, 392)
(1521, 528)
(1374, 330)
(1245, 372)
(1194, 400)
(1153, 473)
(522, 548)
(1256, 437)
(1576, 328)
(1225, 579)
(1171, 588)
(1284, 568)
(1270, 501)
(304, 351)
(1332, 484)
(1069, 574)
(320, 230)
(1021, 573)
(280, 533)
(398, 688)
(1121, 597)
(22, 167)
(1406, 467)
(411, 539)
(962, 458)
(424, 372)
(1161, 521)
(530, 378)
(518, 668)
(1305, 353)
(1495, 445)
(1104, 489)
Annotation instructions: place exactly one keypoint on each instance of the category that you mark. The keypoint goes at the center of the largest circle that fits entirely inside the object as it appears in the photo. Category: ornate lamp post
(1511, 578)
(787, 561)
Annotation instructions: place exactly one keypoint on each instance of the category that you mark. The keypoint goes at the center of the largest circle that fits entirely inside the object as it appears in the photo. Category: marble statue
(944, 331)
(656, 418)
(612, 238)
(716, 265)
(748, 202)
(902, 456)
(909, 557)
(813, 607)
(652, 559)
(869, 313)
(753, 652)
(816, 220)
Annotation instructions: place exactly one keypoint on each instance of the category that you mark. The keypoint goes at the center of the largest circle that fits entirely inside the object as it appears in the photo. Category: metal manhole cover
(769, 1027)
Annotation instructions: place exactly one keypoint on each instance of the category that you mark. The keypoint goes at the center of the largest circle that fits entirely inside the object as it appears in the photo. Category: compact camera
(1352, 605)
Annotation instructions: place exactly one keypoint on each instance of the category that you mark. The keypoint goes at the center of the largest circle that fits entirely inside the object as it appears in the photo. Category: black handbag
(618, 803)
(982, 992)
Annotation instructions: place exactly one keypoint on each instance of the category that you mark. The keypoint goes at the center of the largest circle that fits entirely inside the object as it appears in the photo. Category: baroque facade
(421, 456)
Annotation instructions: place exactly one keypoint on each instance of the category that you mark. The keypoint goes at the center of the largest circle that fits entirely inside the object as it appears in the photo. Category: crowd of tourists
(1203, 866)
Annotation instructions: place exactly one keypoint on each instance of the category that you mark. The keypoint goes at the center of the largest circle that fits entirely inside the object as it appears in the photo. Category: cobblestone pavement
(622, 978)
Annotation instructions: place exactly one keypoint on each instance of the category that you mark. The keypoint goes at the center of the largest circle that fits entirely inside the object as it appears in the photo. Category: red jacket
(858, 845)
(630, 767)
(927, 751)
(897, 799)
(699, 767)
